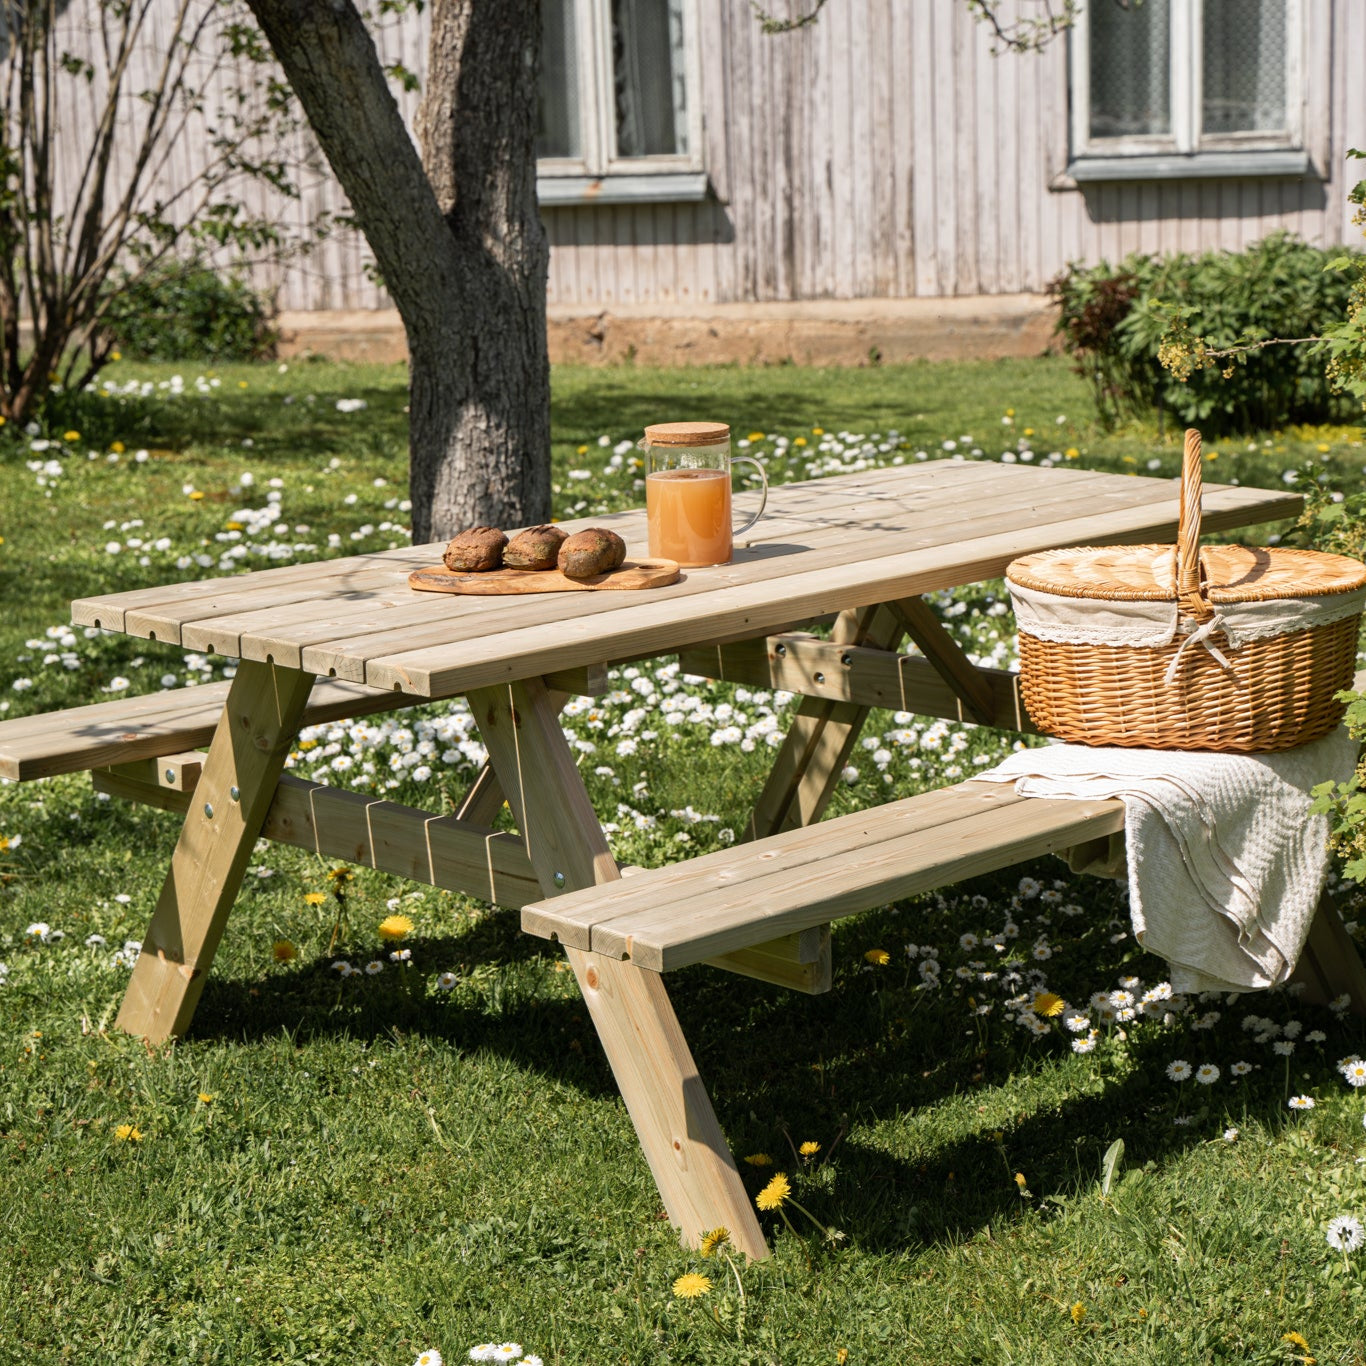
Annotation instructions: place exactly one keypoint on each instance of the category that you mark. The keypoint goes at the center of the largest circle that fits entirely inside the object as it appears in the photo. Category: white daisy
(446, 982)
(1283, 1048)
(1230, 1135)
(1207, 1074)
(967, 941)
(400, 955)
(1241, 1069)
(1316, 1036)
(1345, 1233)
(1354, 1073)
(530, 1361)
(483, 1352)
(340, 965)
(431, 1357)
(1301, 1102)
(1178, 1070)
(373, 967)
(506, 1351)
(1086, 1045)
(1340, 1003)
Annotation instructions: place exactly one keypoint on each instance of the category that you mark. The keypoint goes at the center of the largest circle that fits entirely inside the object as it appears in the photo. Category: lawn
(430, 1153)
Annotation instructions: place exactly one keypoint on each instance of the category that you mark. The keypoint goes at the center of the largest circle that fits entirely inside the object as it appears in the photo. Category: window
(1187, 87)
(618, 115)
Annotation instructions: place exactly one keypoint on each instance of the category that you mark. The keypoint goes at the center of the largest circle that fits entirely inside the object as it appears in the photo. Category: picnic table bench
(348, 638)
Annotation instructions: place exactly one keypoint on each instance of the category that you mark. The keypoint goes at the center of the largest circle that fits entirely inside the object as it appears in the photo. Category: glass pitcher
(687, 492)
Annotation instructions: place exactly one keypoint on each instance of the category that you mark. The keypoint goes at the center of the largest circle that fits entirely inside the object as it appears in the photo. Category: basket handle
(1188, 592)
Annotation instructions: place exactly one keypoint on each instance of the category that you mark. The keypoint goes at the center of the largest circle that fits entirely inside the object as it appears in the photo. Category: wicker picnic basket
(1220, 648)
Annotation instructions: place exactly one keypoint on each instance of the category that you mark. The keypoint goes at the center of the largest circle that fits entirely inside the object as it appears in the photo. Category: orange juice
(689, 515)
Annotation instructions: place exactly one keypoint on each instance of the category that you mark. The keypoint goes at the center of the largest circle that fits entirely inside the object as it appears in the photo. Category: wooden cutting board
(634, 574)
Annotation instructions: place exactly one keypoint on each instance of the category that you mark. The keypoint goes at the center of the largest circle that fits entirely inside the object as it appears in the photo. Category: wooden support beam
(944, 652)
(442, 851)
(1330, 964)
(262, 713)
(802, 961)
(854, 673)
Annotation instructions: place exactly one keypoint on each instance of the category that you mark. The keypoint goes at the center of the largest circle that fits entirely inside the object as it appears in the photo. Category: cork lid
(687, 433)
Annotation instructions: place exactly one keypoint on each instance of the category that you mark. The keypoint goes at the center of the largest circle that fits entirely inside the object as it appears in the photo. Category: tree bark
(459, 243)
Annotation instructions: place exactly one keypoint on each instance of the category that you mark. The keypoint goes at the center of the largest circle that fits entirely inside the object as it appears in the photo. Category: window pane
(557, 128)
(1244, 66)
(1131, 69)
(648, 78)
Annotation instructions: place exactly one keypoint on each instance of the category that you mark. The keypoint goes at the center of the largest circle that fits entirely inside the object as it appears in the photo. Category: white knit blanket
(1226, 863)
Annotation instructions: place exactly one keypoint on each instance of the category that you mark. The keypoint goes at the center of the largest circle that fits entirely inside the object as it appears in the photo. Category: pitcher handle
(763, 497)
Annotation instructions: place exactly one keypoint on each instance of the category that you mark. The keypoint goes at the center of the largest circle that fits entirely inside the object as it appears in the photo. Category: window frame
(1186, 150)
(601, 175)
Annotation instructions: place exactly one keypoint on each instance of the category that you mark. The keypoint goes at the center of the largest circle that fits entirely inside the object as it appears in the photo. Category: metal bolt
(170, 775)
(208, 810)
(846, 659)
(235, 794)
(559, 879)
(780, 649)
(820, 677)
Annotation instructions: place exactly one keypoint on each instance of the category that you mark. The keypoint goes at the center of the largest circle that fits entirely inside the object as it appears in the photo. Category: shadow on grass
(779, 1064)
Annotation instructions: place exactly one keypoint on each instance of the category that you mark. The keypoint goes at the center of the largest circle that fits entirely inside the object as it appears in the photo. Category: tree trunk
(460, 244)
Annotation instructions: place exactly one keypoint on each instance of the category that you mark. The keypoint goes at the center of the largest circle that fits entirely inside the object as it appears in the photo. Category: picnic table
(348, 637)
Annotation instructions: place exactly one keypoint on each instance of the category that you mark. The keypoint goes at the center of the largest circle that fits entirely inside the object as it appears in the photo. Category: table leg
(689, 1158)
(245, 759)
(822, 736)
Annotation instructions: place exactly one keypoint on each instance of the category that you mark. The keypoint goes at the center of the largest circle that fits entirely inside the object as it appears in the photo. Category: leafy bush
(1113, 321)
(185, 310)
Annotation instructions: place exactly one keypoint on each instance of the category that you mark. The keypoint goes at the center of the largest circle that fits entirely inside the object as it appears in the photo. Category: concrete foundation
(817, 332)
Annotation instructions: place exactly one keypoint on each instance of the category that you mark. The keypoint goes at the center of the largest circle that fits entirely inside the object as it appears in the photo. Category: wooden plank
(671, 623)
(872, 678)
(803, 961)
(451, 852)
(918, 619)
(572, 918)
(373, 603)
(260, 718)
(154, 724)
(664, 1095)
(706, 924)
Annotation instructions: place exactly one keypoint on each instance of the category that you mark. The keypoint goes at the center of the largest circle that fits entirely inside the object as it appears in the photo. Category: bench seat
(731, 900)
(151, 725)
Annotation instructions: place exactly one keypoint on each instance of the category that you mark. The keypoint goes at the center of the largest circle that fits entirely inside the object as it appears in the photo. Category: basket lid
(1147, 573)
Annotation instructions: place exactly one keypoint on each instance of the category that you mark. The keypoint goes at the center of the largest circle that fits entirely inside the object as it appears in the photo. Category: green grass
(384, 1166)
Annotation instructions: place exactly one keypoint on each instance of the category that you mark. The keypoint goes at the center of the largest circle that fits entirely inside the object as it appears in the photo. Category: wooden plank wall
(882, 152)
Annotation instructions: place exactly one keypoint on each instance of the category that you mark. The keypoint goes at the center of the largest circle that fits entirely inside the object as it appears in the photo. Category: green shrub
(187, 311)
(1113, 320)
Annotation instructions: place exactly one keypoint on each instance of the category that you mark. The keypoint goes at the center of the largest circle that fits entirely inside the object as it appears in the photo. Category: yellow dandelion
(116, 355)
(691, 1285)
(878, 957)
(206, 1097)
(241, 384)
(339, 874)
(71, 436)
(756, 436)
(126, 1133)
(1020, 1180)
(759, 1160)
(314, 898)
(773, 1194)
(581, 450)
(841, 1356)
(1048, 1003)
(1078, 1312)
(283, 951)
(196, 496)
(395, 927)
(1323, 448)
(800, 441)
(718, 1237)
(1010, 412)
(1297, 1339)
(1029, 431)
(1071, 453)
(818, 431)
(117, 447)
(234, 526)
(809, 1148)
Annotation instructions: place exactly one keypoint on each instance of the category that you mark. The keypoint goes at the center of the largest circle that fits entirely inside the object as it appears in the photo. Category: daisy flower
(1178, 1070)
(506, 1351)
(1345, 1233)
(1230, 1135)
(1354, 1073)
(446, 982)
(431, 1357)
(1283, 1048)
(1240, 1069)
(1301, 1102)
(373, 967)
(1207, 1074)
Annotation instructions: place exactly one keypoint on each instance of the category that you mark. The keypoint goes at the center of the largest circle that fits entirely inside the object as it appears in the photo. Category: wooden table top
(823, 546)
